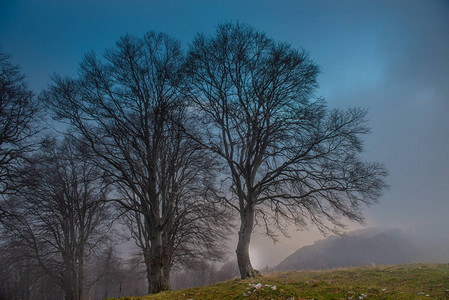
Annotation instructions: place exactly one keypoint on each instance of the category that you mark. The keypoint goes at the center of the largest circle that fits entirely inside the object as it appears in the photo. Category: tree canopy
(126, 110)
(18, 112)
(290, 159)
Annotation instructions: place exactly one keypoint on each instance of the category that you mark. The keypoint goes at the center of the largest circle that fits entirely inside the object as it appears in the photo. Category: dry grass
(418, 281)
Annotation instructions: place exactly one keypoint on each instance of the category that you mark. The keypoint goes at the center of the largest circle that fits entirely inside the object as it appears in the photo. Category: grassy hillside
(358, 248)
(418, 281)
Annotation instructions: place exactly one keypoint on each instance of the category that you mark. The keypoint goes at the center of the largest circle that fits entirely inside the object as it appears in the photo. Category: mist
(391, 58)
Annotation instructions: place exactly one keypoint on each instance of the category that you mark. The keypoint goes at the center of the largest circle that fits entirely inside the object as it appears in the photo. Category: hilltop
(366, 247)
(418, 281)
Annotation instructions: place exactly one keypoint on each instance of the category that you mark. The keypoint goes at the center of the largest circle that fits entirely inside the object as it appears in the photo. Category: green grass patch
(417, 281)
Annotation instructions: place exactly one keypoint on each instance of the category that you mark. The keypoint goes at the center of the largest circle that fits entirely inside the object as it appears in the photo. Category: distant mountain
(364, 247)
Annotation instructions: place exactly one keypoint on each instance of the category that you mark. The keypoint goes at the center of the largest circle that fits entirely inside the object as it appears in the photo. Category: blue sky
(47, 36)
(391, 57)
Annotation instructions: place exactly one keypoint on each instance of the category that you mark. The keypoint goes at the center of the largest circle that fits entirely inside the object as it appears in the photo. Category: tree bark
(242, 251)
(156, 262)
(69, 293)
(80, 286)
(148, 269)
(158, 279)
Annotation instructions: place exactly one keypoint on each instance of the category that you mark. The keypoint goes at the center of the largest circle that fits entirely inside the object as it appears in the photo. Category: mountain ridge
(358, 248)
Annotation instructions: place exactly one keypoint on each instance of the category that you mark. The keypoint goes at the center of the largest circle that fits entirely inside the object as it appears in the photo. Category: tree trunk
(158, 279)
(155, 262)
(246, 228)
(69, 293)
(148, 269)
(80, 286)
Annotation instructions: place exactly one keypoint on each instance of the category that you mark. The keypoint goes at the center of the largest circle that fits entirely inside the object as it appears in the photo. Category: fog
(404, 81)
(389, 57)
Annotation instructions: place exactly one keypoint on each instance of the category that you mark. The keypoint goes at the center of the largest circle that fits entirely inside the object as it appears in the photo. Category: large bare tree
(18, 109)
(60, 215)
(126, 109)
(290, 159)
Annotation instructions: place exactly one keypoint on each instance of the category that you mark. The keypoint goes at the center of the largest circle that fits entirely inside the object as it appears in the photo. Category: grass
(417, 281)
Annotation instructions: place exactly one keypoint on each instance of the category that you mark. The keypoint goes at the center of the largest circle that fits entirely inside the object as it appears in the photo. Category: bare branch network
(181, 143)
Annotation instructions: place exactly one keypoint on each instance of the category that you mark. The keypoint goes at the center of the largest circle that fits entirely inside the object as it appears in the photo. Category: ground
(417, 281)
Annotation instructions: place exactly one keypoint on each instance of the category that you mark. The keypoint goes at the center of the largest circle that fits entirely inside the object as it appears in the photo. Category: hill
(381, 282)
(364, 247)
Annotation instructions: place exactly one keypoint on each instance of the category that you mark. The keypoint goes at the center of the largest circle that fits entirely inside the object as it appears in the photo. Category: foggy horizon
(391, 58)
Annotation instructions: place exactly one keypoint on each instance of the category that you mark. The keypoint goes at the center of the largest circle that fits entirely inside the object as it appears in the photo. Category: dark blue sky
(391, 57)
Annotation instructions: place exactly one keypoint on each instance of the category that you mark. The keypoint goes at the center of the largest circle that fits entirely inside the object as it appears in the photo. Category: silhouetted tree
(21, 277)
(204, 273)
(289, 158)
(113, 276)
(61, 215)
(17, 112)
(126, 110)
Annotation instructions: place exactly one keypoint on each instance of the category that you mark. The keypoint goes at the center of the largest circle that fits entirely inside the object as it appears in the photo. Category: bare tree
(112, 276)
(17, 112)
(290, 160)
(17, 275)
(61, 215)
(21, 277)
(204, 273)
(126, 109)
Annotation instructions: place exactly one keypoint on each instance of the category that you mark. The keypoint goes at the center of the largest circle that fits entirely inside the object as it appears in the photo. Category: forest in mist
(305, 135)
(177, 148)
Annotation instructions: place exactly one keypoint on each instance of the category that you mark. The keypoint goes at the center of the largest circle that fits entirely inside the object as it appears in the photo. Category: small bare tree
(113, 276)
(61, 215)
(290, 160)
(126, 110)
(17, 112)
